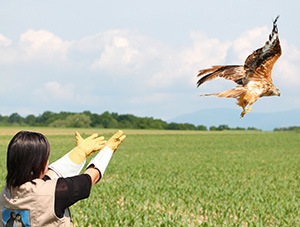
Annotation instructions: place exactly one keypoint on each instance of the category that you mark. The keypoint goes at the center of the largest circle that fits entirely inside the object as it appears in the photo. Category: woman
(40, 195)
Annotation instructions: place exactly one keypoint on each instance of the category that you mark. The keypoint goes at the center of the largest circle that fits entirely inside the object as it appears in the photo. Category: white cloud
(205, 51)
(247, 42)
(157, 64)
(88, 43)
(117, 56)
(138, 59)
(287, 68)
(7, 53)
(126, 52)
(43, 45)
(4, 42)
(35, 47)
(54, 90)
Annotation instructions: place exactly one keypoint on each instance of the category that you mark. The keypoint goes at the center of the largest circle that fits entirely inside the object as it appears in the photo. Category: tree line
(87, 119)
(292, 128)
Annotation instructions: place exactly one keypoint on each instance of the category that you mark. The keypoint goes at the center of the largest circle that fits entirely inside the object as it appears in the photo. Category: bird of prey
(253, 79)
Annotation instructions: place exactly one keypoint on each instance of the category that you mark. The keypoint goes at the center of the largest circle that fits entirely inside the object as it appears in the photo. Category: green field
(179, 178)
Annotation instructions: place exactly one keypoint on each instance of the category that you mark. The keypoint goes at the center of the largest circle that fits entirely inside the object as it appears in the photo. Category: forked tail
(232, 93)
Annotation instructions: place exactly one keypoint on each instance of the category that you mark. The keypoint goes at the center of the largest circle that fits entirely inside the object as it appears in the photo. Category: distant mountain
(231, 117)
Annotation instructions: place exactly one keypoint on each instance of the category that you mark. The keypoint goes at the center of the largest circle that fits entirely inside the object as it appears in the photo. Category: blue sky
(138, 57)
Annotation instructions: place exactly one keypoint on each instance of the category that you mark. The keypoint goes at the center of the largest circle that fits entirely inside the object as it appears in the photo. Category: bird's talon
(242, 114)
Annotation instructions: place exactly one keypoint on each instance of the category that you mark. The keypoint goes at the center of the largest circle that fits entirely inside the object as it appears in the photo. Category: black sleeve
(70, 190)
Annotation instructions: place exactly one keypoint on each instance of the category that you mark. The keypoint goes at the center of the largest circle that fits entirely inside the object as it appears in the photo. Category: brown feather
(232, 93)
(229, 72)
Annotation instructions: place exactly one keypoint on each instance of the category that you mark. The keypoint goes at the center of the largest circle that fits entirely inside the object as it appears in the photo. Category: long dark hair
(27, 156)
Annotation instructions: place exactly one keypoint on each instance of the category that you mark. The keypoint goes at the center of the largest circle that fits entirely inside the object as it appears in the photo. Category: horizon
(212, 118)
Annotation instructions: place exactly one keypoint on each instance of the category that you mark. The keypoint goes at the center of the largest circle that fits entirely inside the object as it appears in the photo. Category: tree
(212, 128)
(30, 120)
(15, 118)
(73, 121)
(201, 128)
(223, 127)
(46, 118)
(107, 121)
(3, 120)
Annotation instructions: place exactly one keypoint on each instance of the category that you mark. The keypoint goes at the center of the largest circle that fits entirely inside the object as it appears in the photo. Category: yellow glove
(78, 138)
(115, 141)
(85, 147)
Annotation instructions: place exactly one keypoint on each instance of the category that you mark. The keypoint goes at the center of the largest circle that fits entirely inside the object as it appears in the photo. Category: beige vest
(33, 202)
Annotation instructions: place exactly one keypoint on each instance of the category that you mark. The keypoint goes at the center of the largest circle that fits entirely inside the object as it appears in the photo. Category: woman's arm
(94, 174)
(70, 190)
(72, 163)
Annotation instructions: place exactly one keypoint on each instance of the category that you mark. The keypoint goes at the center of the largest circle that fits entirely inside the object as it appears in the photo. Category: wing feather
(235, 73)
(260, 63)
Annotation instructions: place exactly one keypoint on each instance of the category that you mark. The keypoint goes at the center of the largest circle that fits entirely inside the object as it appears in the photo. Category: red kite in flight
(253, 79)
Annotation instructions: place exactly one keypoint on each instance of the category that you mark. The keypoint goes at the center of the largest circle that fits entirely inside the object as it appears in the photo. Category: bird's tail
(232, 93)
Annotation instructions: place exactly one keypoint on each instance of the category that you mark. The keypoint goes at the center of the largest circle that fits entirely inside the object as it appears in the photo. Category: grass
(178, 178)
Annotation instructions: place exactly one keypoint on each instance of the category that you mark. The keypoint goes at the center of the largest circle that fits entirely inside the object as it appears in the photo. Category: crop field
(188, 178)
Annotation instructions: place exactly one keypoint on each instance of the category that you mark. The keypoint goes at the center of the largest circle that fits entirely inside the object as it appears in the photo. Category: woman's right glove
(72, 163)
(86, 147)
(101, 160)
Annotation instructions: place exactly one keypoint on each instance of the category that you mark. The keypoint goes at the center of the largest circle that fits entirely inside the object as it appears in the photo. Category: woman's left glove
(101, 160)
(72, 163)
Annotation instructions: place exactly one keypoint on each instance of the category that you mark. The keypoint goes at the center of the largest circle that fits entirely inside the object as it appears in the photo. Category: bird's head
(276, 91)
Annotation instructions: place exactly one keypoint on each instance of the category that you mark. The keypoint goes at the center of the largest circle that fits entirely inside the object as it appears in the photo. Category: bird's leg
(249, 109)
(246, 110)
(243, 113)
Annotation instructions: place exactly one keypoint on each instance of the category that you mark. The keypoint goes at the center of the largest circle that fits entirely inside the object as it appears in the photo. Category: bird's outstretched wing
(260, 63)
(235, 73)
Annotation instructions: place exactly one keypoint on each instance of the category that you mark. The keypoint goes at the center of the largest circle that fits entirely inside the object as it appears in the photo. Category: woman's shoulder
(40, 186)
